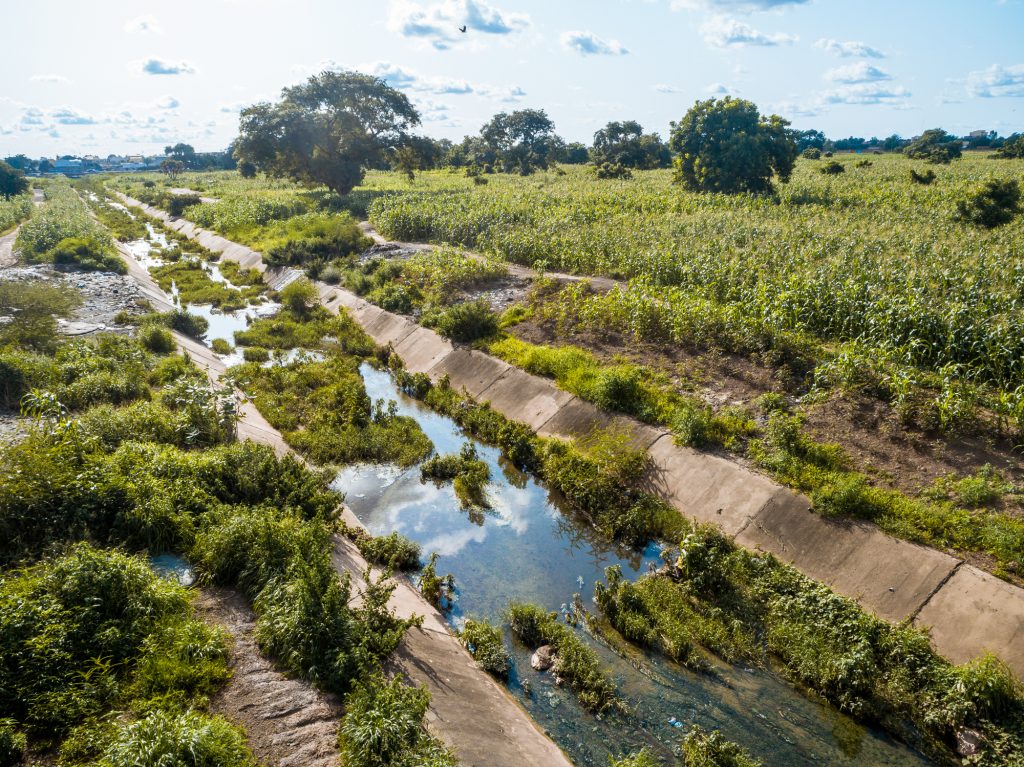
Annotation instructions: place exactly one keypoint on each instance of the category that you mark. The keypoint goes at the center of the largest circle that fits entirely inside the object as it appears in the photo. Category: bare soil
(288, 723)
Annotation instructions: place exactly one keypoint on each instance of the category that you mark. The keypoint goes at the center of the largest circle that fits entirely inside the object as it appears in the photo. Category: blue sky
(130, 76)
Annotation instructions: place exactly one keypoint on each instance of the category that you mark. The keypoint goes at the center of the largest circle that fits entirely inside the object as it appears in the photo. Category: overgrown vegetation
(467, 473)
(487, 647)
(63, 233)
(743, 605)
(576, 663)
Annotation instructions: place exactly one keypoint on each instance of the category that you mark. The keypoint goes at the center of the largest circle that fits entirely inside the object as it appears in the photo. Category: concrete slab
(344, 297)
(366, 314)
(387, 328)
(974, 612)
(469, 370)
(579, 418)
(706, 487)
(526, 398)
(422, 349)
(889, 577)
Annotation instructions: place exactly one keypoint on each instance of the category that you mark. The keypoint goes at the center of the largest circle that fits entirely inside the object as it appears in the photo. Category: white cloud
(439, 23)
(723, 32)
(663, 88)
(49, 78)
(794, 109)
(866, 94)
(861, 72)
(720, 89)
(589, 44)
(997, 82)
(849, 48)
(160, 67)
(167, 102)
(67, 116)
(143, 24)
(733, 6)
(407, 79)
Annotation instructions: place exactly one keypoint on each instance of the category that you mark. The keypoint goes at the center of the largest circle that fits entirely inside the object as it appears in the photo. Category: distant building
(978, 134)
(71, 167)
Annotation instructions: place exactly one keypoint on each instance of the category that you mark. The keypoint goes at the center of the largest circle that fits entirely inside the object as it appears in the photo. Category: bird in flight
(462, 29)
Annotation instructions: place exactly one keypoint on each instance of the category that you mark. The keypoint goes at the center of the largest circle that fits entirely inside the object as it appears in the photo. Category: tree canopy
(935, 146)
(12, 181)
(522, 141)
(727, 146)
(626, 144)
(329, 130)
(1013, 147)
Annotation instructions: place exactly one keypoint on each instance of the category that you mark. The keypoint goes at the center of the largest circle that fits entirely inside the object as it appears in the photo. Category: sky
(132, 76)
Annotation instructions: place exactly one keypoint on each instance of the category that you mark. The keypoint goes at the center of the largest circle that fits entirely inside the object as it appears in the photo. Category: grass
(468, 474)
(15, 210)
(195, 285)
(486, 645)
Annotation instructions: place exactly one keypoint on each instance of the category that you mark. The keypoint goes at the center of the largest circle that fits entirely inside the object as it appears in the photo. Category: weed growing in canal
(742, 605)
(487, 647)
(436, 589)
(576, 663)
(316, 329)
(191, 325)
(466, 322)
(709, 749)
(393, 551)
(383, 727)
(324, 413)
(36, 304)
(195, 286)
(468, 474)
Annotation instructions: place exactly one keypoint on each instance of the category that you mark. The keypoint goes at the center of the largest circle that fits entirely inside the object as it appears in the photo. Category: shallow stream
(529, 547)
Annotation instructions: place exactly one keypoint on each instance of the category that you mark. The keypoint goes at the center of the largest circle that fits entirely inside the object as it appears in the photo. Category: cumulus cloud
(589, 44)
(143, 24)
(664, 88)
(849, 48)
(732, 6)
(866, 94)
(997, 82)
(438, 23)
(720, 89)
(861, 72)
(160, 67)
(49, 78)
(724, 32)
(167, 102)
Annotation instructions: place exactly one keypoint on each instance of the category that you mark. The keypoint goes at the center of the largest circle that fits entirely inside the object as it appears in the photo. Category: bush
(393, 551)
(469, 474)
(255, 354)
(87, 252)
(922, 178)
(188, 738)
(995, 204)
(299, 297)
(811, 153)
(191, 325)
(466, 322)
(832, 168)
(383, 727)
(221, 346)
(156, 339)
(709, 749)
(12, 743)
(609, 170)
(177, 203)
(487, 647)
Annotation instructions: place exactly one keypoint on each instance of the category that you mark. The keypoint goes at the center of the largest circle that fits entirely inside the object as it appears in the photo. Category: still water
(530, 548)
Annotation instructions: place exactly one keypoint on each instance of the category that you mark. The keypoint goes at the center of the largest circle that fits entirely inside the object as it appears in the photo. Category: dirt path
(7, 257)
(288, 723)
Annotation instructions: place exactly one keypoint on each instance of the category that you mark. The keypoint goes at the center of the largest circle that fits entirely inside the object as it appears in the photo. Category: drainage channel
(530, 547)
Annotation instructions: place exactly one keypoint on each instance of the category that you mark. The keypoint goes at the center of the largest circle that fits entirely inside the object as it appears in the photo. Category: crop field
(14, 210)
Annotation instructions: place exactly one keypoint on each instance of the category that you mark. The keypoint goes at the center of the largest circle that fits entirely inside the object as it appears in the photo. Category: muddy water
(530, 548)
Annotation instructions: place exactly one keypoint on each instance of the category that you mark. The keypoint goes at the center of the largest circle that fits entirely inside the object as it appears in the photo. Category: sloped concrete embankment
(967, 611)
(471, 712)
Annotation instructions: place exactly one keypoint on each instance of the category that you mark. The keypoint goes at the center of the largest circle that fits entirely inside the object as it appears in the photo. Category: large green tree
(935, 146)
(726, 145)
(329, 130)
(626, 144)
(522, 141)
(12, 181)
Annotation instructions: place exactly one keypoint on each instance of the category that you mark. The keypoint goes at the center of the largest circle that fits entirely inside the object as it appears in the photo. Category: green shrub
(177, 203)
(255, 354)
(12, 743)
(87, 252)
(221, 346)
(468, 473)
(299, 297)
(183, 321)
(188, 738)
(36, 304)
(20, 372)
(435, 588)
(996, 203)
(832, 168)
(709, 749)
(383, 727)
(612, 170)
(811, 153)
(924, 179)
(156, 339)
(466, 322)
(487, 647)
(393, 551)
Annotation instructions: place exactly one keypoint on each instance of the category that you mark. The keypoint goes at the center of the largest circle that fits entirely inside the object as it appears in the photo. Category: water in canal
(529, 548)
